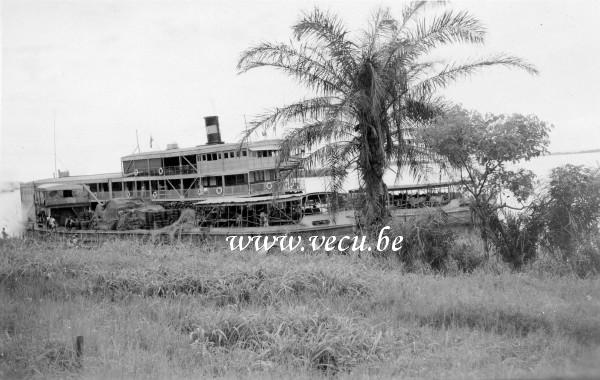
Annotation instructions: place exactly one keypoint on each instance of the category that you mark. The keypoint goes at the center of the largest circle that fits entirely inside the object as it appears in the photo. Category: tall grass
(181, 311)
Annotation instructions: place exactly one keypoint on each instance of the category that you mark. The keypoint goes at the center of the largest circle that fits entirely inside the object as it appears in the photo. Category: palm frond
(307, 109)
(327, 30)
(381, 27)
(452, 72)
(414, 157)
(449, 27)
(302, 63)
(322, 156)
(314, 134)
(415, 7)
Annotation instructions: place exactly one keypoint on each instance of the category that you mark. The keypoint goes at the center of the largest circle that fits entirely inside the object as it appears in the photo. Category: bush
(427, 241)
(585, 258)
(467, 253)
(572, 210)
(516, 238)
(570, 218)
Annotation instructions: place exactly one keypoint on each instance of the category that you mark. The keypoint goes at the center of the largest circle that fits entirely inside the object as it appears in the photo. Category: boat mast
(54, 174)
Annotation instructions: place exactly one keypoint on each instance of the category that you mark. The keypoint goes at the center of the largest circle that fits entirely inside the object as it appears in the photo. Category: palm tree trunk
(372, 167)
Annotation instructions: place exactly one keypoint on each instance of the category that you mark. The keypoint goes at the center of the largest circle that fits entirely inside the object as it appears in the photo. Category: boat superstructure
(174, 177)
(236, 187)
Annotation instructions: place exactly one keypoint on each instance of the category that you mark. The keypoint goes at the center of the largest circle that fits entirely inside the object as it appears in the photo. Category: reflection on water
(10, 204)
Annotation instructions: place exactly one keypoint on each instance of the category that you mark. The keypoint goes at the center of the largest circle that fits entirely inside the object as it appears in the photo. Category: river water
(541, 166)
(10, 203)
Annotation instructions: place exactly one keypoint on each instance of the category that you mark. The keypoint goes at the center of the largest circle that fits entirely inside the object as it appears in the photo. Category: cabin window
(225, 155)
(212, 181)
(236, 179)
(67, 193)
(188, 183)
(186, 160)
(154, 164)
(244, 153)
(204, 157)
(128, 167)
(117, 186)
(171, 161)
(257, 176)
(93, 187)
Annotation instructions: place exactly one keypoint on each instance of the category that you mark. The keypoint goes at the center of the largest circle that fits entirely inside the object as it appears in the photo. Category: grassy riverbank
(178, 311)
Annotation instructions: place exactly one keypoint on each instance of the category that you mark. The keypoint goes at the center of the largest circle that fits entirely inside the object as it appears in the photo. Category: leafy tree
(571, 210)
(371, 91)
(483, 147)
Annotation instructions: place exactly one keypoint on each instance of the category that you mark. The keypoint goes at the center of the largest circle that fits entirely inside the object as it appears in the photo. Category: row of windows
(263, 175)
(264, 153)
(223, 155)
(129, 166)
(237, 154)
(210, 181)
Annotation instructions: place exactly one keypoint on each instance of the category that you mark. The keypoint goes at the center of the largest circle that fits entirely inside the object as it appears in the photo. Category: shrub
(572, 209)
(467, 253)
(585, 258)
(516, 238)
(427, 241)
(570, 217)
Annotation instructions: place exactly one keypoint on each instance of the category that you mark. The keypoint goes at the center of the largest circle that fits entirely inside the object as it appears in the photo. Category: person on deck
(51, 223)
(264, 219)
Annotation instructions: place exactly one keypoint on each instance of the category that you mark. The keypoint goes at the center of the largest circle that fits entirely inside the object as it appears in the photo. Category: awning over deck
(417, 186)
(422, 186)
(272, 146)
(238, 201)
(59, 186)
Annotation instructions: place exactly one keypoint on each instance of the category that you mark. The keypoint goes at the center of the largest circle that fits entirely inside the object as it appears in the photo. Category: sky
(101, 70)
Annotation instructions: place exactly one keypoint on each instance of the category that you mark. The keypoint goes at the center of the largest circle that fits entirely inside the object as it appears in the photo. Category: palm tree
(370, 91)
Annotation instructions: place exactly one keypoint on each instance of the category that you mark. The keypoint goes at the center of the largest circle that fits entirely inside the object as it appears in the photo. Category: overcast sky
(104, 69)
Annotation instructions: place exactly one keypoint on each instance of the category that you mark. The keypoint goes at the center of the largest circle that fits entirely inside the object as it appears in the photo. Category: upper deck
(206, 160)
(196, 173)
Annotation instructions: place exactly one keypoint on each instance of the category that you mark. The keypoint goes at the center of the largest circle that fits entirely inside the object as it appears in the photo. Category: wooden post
(79, 349)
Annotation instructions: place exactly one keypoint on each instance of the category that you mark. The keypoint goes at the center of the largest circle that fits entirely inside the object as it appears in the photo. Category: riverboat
(214, 179)
(235, 188)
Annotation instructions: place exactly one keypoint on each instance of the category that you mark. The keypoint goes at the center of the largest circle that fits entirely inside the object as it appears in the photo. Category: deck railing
(235, 190)
(261, 188)
(167, 170)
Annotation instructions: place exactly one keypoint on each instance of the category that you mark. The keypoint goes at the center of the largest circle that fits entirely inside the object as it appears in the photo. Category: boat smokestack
(213, 134)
